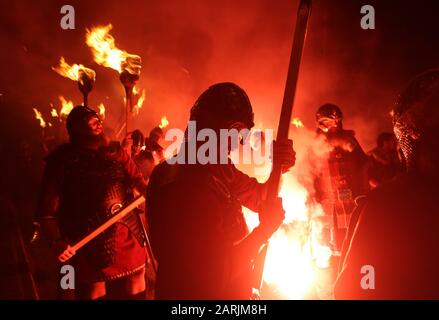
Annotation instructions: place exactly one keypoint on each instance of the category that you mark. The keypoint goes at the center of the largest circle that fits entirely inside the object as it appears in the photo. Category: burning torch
(107, 54)
(77, 72)
(129, 76)
(85, 83)
(285, 116)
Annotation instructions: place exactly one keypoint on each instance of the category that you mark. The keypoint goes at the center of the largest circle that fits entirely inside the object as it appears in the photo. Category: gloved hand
(284, 154)
(66, 250)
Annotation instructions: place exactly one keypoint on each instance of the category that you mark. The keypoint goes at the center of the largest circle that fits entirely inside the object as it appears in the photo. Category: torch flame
(163, 122)
(297, 122)
(66, 70)
(294, 254)
(139, 104)
(66, 106)
(102, 110)
(40, 118)
(296, 261)
(54, 113)
(73, 71)
(107, 54)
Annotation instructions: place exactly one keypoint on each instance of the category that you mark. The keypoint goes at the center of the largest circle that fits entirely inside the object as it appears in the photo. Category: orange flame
(40, 118)
(66, 106)
(54, 113)
(294, 252)
(102, 110)
(392, 113)
(140, 101)
(73, 71)
(297, 122)
(163, 122)
(107, 54)
(294, 255)
(104, 49)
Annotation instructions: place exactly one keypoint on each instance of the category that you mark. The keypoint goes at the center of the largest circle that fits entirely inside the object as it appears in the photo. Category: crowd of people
(379, 207)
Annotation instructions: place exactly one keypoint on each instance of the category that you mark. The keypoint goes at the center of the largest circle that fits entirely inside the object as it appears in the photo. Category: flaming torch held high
(129, 76)
(66, 107)
(102, 110)
(163, 122)
(140, 100)
(107, 54)
(54, 113)
(77, 72)
(40, 118)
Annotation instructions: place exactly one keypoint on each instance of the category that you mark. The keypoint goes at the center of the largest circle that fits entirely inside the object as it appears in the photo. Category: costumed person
(384, 162)
(133, 143)
(151, 154)
(393, 237)
(198, 231)
(153, 143)
(85, 182)
(342, 176)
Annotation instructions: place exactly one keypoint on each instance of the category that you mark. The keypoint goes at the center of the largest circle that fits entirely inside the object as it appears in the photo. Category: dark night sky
(187, 45)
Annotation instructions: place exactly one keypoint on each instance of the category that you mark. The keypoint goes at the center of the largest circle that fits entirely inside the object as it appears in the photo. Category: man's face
(95, 126)
(330, 125)
(238, 126)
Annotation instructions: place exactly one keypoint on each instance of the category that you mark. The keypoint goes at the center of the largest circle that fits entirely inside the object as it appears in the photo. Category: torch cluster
(105, 53)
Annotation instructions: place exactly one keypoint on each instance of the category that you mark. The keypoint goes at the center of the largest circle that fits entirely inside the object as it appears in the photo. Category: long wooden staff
(138, 201)
(303, 14)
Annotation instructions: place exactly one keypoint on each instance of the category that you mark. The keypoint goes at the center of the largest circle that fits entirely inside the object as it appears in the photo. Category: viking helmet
(222, 103)
(329, 116)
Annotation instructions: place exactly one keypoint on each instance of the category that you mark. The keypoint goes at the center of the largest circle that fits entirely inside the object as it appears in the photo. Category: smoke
(295, 250)
(312, 152)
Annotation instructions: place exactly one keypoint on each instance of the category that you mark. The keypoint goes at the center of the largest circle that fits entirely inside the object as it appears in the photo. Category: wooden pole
(128, 108)
(303, 14)
(138, 201)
